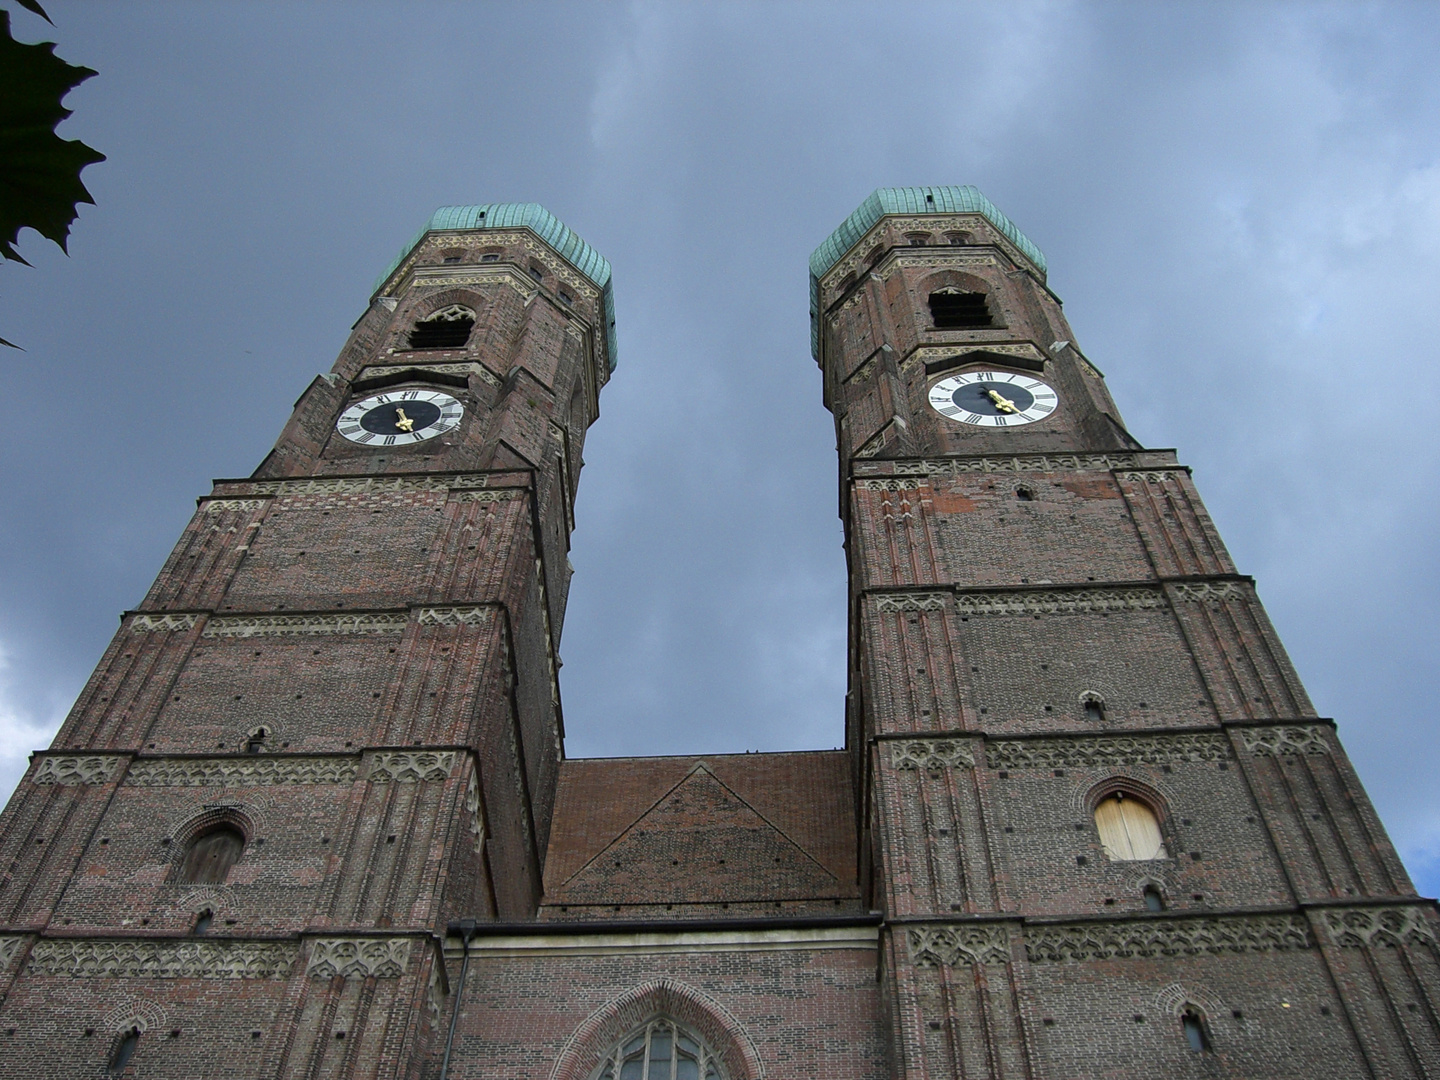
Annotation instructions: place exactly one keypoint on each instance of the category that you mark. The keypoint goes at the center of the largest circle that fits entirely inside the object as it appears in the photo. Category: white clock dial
(400, 418)
(993, 398)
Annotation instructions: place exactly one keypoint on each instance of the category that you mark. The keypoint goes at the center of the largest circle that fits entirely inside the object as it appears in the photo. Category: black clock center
(975, 398)
(385, 419)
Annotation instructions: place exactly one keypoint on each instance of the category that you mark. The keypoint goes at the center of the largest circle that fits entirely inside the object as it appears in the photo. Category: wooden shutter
(1128, 829)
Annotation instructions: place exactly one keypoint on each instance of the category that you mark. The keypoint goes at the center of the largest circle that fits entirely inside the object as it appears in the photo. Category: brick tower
(311, 817)
(1108, 832)
(333, 723)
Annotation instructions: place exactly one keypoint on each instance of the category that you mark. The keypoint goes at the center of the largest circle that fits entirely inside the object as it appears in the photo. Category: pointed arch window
(1192, 1023)
(661, 1050)
(123, 1051)
(211, 855)
(1129, 829)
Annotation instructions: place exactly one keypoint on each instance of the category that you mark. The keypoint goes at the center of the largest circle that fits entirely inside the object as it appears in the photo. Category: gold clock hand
(404, 423)
(1002, 403)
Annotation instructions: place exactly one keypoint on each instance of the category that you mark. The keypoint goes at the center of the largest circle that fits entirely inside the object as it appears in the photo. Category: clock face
(993, 398)
(406, 416)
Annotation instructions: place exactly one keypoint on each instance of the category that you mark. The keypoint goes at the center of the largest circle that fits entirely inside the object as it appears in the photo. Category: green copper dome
(905, 200)
(543, 224)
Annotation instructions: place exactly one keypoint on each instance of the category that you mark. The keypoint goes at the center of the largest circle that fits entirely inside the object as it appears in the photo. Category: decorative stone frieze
(72, 771)
(11, 946)
(435, 991)
(968, 945)
(252, 770)
(147, 624)
(1354, 928)
(1079, 942)
(470, 615)
(247, 626)
(1106, 751)
(1018, 463)
(480, 370)
(410, 767)
(220, 506)
(358, 958)
(497, 495)
(1201, 592)
(1154, 476)
(162, 959)
(892, 602)
(1058, 601)
(889, 483)
(932, 755)
(477, 815)
(1284, 741)
(352, 485)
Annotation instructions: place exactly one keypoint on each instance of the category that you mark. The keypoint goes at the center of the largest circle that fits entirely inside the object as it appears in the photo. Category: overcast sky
(1240, 205)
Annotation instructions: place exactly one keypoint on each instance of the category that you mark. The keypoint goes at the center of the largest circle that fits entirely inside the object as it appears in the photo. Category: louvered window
(1128, 829)
(661, 1050)
(955, 310)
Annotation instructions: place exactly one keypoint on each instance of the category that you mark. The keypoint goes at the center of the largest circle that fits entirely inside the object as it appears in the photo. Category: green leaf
(31, 5)
(40, 183)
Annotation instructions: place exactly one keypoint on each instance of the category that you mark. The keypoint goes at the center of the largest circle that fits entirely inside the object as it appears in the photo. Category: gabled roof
(906, 200)
(543, 224)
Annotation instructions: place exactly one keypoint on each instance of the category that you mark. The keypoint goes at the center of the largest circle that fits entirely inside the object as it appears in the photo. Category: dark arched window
(1094, 706)
(124, 1050)
(447, 329)
(951, 309)
(661, 1050)
(1193, 1024)
(1153, 900)
(211, 856)
(203, 921)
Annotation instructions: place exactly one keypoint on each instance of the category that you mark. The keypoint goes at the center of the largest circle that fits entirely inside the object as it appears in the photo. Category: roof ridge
(699, 766)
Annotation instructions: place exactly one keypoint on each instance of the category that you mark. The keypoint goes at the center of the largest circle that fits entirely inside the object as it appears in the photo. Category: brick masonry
(350, 659)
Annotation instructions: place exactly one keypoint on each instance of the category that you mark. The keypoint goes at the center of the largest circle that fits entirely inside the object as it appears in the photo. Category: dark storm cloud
(1240, 206)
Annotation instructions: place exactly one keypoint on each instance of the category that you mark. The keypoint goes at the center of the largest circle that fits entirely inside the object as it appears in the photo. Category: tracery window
(951, 309)
(661, 1050)
(446, 329)
(1128, 828)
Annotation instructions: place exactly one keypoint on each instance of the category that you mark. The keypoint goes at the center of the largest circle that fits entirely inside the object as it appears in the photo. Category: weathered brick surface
(675, 838)
(386, 621)
(1001, 578)
(933, 901)
(798, 1012)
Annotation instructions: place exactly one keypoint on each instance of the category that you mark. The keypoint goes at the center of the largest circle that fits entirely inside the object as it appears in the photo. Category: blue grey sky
(1240, 204)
